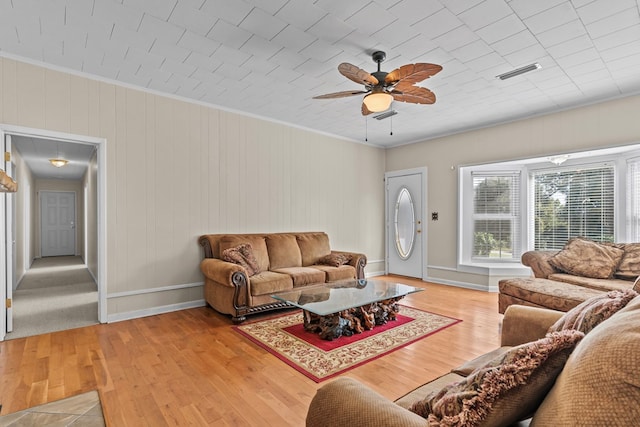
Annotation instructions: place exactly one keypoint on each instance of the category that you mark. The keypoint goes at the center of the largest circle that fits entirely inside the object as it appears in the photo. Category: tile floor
(82, 410)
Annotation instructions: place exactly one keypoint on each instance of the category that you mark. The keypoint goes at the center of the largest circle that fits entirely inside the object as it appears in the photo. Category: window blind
(496, 215)
(573, 203)
(633, 200)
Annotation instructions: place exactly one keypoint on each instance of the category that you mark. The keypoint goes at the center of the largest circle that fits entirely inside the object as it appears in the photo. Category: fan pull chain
(391, 126)
(366, 130)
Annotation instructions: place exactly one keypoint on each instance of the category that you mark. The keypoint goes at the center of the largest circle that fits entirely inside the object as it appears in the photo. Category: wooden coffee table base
(353, 320)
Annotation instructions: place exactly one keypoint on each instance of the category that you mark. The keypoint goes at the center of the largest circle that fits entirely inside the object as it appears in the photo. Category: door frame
(101, 154)
(422, 216)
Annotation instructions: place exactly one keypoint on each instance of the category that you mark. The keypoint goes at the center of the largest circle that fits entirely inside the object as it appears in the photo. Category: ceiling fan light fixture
(378, 101)
(58, 162)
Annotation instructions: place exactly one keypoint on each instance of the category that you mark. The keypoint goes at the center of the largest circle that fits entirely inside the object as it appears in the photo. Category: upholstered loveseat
(595, 383)
(242, 271)
(563, 279)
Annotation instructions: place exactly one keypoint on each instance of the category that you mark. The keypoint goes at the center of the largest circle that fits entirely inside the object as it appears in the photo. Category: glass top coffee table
(341, 309)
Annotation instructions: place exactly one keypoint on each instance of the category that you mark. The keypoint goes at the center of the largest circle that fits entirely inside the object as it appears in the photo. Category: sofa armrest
(539, 263)
(522, 324)
(347, 402)
(221, 271)
(358, 261)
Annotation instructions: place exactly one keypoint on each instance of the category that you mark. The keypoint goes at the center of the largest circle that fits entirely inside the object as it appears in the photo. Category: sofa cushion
(599, 385)
(583, 257)
(546, 293)
(335, 274)
(588, 282)
(629, 267)
(594, 311)
(243, 256)
(313, 246)
(269, 282)
(283, 251)
(505, 390)
(257, 242)
(303, 275)
(335, 259)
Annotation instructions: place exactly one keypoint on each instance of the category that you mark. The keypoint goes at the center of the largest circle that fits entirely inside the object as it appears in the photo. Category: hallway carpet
(56, 293)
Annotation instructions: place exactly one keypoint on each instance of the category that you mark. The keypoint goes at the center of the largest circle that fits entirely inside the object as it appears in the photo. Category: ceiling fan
(382, 88)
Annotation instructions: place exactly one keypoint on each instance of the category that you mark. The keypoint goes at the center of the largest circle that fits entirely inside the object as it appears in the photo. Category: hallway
(56, 293)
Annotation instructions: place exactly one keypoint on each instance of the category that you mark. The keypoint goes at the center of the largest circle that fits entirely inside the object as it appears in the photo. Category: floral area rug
(285, 338)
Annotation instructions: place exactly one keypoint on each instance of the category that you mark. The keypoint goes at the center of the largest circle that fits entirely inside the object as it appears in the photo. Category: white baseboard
(155, 310)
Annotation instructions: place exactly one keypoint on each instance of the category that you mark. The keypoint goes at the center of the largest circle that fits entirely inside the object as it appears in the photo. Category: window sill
(495, 269)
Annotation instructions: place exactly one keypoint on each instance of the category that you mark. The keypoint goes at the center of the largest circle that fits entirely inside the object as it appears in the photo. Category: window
(633, 200)
(496, 216)
(573, 202)
(511, 207)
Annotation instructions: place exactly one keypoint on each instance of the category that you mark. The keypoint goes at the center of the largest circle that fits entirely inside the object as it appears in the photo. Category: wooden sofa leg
(238, 319)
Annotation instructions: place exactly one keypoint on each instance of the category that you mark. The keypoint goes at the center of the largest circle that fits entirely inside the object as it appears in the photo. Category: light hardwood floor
(191, 368)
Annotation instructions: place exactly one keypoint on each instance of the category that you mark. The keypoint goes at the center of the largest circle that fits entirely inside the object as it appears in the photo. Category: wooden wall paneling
(91, 106)
(225, 167)
(134, 186)
(275, 173)
(57, 101)
(192, 186)
(254, 196)
(154, 182)
(182, 149)
(79, 105)
(30, 83)
(203, 176)
(212, 164)
(285, 161)
(299, 186)
(9, 91)
(240, 186)
(165, 173)
(119, 257)
(235, 169)
(106, 122)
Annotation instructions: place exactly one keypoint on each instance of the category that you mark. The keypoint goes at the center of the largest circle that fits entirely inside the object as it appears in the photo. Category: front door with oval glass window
(405, 225)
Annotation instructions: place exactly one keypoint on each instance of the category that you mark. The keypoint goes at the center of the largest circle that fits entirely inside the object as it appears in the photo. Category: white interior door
(58, 223)
(405, 223)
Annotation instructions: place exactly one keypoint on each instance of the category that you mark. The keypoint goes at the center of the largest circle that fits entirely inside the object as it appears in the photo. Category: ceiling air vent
(518, 71)
(385, 115)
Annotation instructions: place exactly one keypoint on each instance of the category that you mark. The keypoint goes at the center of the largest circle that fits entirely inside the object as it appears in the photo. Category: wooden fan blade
(342, 94)
(412, 73)
(414, 95)
(356, 74)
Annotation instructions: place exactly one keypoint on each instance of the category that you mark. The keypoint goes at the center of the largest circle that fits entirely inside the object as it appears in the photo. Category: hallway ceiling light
(58, 162)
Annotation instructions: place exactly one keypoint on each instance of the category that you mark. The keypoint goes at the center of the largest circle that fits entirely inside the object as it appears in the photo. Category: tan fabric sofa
(553, 288)
(285, 261)
(598, 385)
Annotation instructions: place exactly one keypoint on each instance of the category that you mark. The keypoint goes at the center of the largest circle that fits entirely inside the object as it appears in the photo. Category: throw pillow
(590, 313)
(243, 256)
(583, 257)
(335, 259)
(507, 389)
(629, 267)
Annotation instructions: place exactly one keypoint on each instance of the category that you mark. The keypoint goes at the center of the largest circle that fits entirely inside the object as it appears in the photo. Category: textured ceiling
(268, 58)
